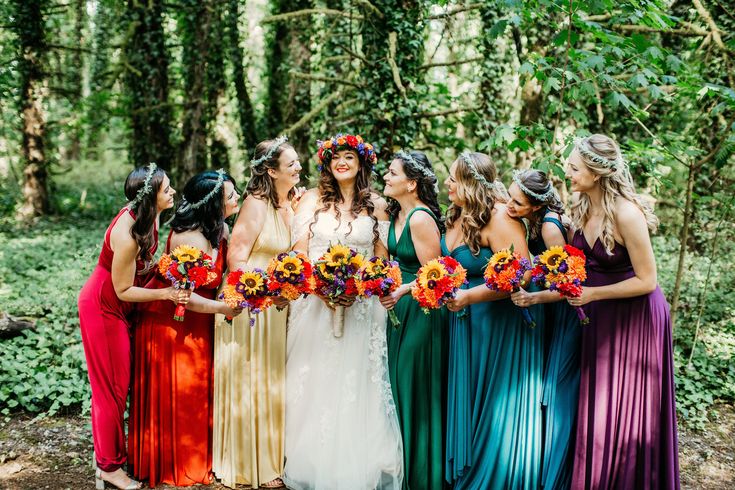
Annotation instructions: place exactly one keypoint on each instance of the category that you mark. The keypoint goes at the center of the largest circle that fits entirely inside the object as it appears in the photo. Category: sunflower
(553, 257)
(252, 282)
(357, 261)
(289, 266)
(186, 253)
(375, 268)
(501, 258)
(337, 255)
(431, 271)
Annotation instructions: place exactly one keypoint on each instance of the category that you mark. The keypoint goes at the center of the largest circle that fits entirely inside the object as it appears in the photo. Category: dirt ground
(56, 453)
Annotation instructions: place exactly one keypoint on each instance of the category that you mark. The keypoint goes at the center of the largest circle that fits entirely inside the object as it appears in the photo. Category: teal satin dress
(494, 426)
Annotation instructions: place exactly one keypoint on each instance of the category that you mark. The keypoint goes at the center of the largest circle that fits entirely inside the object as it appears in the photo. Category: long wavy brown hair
(477, 199)
(330, 195)
(538, 182)
(261, 184)
(143, 230)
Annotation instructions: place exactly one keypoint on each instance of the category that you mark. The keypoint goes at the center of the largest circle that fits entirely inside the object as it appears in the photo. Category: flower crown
(346, 142)
(472, 167)
(411, 162)
(271, 150)
(186, 205)
(539, 197)
(583, 147)
(147, 187)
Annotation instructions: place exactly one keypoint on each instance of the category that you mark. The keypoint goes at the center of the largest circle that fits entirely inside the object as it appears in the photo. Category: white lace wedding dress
(341, 427)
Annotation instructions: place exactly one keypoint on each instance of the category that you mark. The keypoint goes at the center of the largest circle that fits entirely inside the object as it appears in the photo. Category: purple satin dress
(626, 421)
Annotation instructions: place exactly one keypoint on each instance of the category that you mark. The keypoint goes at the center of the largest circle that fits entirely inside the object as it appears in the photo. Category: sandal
(274, 483)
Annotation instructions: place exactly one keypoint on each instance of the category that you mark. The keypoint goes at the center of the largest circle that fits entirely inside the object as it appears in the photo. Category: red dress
(103, 319)
(170, 431)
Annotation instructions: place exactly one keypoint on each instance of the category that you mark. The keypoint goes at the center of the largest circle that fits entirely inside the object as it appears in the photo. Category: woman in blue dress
(533, 198)
(495, 360)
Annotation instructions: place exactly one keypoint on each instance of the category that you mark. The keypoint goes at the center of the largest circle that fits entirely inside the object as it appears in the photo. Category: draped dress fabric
(417, 361)
(626, 420)
(250, 379)
(105, 326)
(341, 427)
(561, 382)
(495, 389)
(170, 429)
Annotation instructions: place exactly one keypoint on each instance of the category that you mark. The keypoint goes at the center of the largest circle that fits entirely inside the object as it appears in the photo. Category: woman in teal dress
(495, 360)
(417, 348)
(532, 196)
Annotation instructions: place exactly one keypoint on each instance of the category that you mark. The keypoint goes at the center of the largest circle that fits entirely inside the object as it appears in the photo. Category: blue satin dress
(561, 384)
(495, 390)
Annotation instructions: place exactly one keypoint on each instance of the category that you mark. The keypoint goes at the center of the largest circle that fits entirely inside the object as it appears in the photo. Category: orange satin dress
(170, 431)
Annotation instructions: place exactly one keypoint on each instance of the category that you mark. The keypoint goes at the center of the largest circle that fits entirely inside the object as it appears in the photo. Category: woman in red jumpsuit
(105, 303)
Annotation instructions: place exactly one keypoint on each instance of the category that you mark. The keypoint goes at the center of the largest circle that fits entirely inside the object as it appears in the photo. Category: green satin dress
(417, 362)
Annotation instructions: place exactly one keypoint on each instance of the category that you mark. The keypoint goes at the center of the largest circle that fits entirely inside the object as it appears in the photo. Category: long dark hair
(261, 184)
(330, 195)
(209, 217)
(426, 186)
(145, 209)
(538, 182)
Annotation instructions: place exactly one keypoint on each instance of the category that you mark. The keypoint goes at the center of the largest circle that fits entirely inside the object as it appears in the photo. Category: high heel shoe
(99, 482)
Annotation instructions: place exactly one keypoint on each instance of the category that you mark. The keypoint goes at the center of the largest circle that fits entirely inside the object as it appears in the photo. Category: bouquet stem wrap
(179, 312)
(338, 321)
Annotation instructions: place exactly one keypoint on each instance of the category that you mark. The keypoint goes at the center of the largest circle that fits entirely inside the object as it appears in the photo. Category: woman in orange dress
(170, 428)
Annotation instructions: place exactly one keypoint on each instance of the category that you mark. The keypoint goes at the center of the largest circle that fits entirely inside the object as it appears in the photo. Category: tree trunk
(29, 27)
(245, 111)
(147, 85)
(289, 97)
(683, 239)
(75, 77)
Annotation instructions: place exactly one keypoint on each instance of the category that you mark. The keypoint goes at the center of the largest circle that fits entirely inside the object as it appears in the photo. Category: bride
(341, 426)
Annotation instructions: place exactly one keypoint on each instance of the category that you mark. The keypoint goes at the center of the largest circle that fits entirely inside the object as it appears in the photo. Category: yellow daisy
(186, 253)
(252, 281)
(552, 257)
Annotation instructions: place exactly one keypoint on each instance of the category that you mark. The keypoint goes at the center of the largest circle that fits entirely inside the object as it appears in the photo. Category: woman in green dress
(417, 348)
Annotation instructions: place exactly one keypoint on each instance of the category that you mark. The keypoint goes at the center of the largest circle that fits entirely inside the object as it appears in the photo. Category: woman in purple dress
(626, 421)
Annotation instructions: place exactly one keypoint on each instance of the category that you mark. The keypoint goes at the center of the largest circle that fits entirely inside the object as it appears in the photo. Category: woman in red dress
(105, 302)
(170, 427)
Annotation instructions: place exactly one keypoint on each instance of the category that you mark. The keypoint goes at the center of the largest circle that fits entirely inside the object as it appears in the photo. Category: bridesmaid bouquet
(379, 277)
(335, 273)
(247, 289)
(437, 282)
(504, 273)
(186, 268)
(562, 269)
(290, 275)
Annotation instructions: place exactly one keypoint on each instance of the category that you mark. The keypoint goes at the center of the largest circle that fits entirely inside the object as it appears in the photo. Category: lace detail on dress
(383, 227)
(327, 228)
(379, 359)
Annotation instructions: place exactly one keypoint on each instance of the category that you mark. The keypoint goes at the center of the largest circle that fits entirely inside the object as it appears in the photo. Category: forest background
(91, 88)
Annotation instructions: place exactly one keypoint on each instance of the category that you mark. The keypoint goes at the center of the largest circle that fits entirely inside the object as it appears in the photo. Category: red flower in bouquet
(186, 267)
(504, 273)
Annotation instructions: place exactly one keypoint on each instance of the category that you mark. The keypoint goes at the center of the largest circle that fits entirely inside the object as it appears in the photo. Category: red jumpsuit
(103, 319)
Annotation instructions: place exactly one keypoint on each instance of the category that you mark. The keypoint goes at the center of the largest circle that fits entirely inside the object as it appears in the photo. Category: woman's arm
(631, 224)
(248, 226)
(125, 252)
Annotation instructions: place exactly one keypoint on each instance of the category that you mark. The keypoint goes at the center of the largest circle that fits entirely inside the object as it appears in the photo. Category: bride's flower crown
(346, 142)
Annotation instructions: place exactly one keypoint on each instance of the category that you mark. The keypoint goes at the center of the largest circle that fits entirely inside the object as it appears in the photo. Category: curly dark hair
(261, 184)
(143, 230)
(208, 218)
(331, 196)
(538, 182)
(426, 186)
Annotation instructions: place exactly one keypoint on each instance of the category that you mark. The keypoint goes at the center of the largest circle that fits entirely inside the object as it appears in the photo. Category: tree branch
(443, 113)
(458, 10)
(69, 48)
(307, 12)
(320, 78)
(392, 42)
(428, 66)
(371, 7)
(315, 111)
(690, 31)
(563, 74)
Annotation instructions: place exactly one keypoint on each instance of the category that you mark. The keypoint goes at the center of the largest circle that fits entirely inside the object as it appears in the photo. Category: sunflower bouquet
(334, 274)
(247, 289)
(562, 269)
(504, 273)
(186, 267)
(290, 275)
(379, 277)
(437, 282)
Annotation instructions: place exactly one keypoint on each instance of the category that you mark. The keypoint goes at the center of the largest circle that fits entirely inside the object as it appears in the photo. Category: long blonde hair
(602, 156)
(478, 191)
